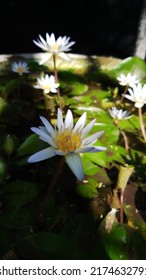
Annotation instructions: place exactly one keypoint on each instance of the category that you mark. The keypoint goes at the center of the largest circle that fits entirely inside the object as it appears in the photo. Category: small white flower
(47, 84)
(128, 80)
(137, 95)
(53, 46)
(67, 140)
(20, 67)
(119, 113)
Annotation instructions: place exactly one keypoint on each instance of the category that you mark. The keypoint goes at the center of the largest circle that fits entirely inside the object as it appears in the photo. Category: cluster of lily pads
(59, 183)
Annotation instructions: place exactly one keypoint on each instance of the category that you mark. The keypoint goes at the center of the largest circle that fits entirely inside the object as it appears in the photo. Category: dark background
(99, 27)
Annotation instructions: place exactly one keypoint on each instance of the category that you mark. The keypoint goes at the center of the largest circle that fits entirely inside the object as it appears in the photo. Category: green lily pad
(117, 243)
(88, 189)
(45, 245)
(78, 89)
(134, 65)
(31, 144)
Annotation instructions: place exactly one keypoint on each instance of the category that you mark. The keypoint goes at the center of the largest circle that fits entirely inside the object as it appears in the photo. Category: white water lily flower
(47, 84)
(53, 46)
(137, 95)
(67, 140)
(128, 80)
(119, 113)
(20, 67)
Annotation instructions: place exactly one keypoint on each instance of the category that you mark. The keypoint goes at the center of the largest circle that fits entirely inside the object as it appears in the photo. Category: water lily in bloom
(128, 80)
(68, 140)
(137, 95)
(47, 84)
(54, 46)
(20, 67)
(119, 114)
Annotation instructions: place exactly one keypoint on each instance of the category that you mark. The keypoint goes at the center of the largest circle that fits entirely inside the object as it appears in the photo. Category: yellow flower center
(20, 70)
(67, 142)
(46, 86)
(55, 47)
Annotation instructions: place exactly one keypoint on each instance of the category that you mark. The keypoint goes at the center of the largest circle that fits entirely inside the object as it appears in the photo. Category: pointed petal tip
(75, 164)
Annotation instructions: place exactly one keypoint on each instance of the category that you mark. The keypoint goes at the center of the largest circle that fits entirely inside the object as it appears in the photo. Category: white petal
(43, 135)
(53, 90)
(129, 97)
(63, 55)
(42, 40)
(45, 58)
(139, 105)
(40, 45)
(69, 45)
(60, 119)
(91, 149)
(92, 138)
(80, 123)
(46, 91)
(75, 164)
(42, 155)
(47, 125)
(59, 153)
(43, 128)
(50, 39)
(88, 127)
(131, 91)
(69, 120)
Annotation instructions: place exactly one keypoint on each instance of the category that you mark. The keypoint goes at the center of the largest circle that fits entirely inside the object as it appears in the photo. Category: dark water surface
(107, 27)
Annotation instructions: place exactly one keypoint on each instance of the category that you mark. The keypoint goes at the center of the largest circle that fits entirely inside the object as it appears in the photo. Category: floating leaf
(89, 167)
(19, 193)
(31, 144)
(98, 158)
(81, 232)
(45, 245)
(134, 65)
(118, 242)
(78, 89)
(88, 188)
(116, 153)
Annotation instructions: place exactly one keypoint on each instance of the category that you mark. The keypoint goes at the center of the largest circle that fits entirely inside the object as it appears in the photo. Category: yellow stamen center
(55, 47)
(67, 142)
(46, 86)
(20, 70)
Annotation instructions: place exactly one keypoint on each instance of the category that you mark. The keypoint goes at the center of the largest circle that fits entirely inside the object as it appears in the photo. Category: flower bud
(9, 144)
(3, 105)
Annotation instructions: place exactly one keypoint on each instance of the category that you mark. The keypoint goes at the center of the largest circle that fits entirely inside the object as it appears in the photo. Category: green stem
(141, 123)
(51, 187)
(123, 94)
(125, 140)
(56, 78)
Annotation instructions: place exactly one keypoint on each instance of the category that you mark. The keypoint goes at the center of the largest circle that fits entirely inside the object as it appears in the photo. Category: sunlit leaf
(78, 89)
(89, 167)
(88, 189)
(134, 65)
